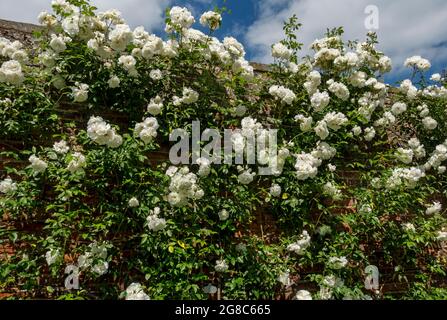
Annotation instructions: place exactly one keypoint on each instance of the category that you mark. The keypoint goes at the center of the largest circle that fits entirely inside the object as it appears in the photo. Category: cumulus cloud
(406, 27)
(149, 13)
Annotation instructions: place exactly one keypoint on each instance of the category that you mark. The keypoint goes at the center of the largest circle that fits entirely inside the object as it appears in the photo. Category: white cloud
(149, 13)
(407, 27)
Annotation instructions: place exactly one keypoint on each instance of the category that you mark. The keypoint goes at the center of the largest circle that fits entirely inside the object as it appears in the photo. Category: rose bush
(137, 228)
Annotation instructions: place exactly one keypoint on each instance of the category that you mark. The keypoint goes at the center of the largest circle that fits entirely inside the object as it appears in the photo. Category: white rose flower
(284, 278)
(303, 295)
(321, 130)
(7, 186)
(155, 106)
(100, 268)
(156, 74)
(80, 92)
(147, 130)
(127, 62)
(77, 163)
(275, 190)
(436, 77)
(299, 247)
(11, 72)
(51, 256)
(61, 147)
(224, 215)
(338, 262)
(280, 51)
(221, 266)
(181, 18)
(57, 43)
(370, 133)
(398, 108)
(102, 133)
(155, 223)
(409, 227)
(37, 164)
(429, 123)
(320, 100)
(211, 19)
(135, 292)
(434, 208)
(418, 62)
(114, 82)
(133, 202)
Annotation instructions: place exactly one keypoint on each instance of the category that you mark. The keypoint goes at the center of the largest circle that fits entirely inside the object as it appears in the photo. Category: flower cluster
(80, 92)
(204, 167)
(328, 285)
(147, 130)
(275, 190)
(183, 186)
(303, 295)
(61, 147)
(245, 176)
(299, 247)
(280, 51)
(180, 18)
(13, 50)
(102, 133)
(211, 19)
(335, 120)
(221, 266)
(283, 94)
(120, 37)
(434, 208)
(418, 62)
(223, 215)
(320, 100)
(338, 89)
(95, 258)
(189, 97)
(331, 190)
(135, 292)
(305, 122)
(133, 202)
(313, 81)
(155, 106)
(77, 163)
(37, 164)
(155, 223)
(11, 71)
(407, 177)
(7, 186)
(338, 262)
(438, 157)
(51, 256)
(306, 166)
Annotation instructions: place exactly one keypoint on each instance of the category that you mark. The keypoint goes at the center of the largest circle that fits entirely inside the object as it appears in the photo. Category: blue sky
(406, 27)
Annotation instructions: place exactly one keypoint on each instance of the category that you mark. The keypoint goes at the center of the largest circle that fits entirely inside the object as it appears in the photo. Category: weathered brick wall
(22, 32)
